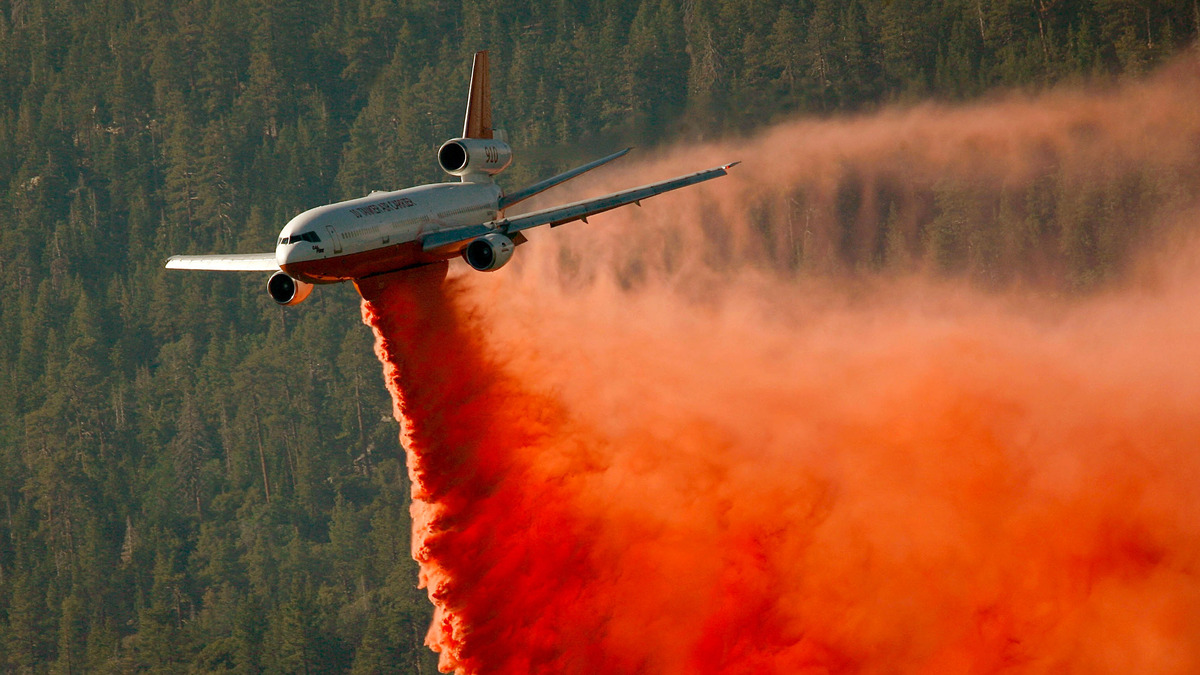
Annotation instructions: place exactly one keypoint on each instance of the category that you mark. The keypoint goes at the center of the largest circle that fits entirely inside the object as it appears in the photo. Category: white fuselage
(380, 232)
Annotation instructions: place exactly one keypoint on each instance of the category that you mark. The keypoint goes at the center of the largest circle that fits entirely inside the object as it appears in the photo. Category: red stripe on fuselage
(363, 264)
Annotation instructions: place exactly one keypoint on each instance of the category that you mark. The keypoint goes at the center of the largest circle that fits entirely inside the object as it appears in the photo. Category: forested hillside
(195, 480)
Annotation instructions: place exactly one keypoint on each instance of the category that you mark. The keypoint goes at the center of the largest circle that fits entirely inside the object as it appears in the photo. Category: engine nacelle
(286, 290)
(461, 156)
(489, 252)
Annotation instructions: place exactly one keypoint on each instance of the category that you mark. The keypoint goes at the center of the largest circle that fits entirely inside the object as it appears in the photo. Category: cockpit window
(297, 238)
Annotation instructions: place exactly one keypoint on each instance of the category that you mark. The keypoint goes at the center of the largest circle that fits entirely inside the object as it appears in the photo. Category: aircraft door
(337, 239)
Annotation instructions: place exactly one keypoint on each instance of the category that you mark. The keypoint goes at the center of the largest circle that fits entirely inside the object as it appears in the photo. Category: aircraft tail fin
(479, 100)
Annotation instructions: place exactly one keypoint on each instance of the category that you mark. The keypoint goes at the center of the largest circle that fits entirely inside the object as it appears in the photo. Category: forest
(196, 480)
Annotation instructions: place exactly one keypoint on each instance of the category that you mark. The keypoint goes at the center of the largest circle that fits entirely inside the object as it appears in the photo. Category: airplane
(386, 232)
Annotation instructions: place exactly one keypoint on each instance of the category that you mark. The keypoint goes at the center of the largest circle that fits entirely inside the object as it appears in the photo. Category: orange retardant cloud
(724, 469)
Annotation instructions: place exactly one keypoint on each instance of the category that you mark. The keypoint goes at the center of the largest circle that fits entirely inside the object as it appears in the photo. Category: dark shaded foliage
(193, 478)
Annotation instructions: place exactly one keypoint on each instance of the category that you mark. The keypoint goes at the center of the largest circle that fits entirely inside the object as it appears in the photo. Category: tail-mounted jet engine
(462, 156)
(489, 252)
(286, 290)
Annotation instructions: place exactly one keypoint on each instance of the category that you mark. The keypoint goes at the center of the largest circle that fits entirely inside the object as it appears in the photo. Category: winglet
(479, 100)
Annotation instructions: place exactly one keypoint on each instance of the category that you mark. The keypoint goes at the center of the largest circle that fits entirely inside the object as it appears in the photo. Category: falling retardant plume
(845, 410)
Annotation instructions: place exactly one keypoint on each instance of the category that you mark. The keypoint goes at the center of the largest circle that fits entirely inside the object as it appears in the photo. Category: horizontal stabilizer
(233, 262)
(558, 215)
(537, 188)
(580, 210)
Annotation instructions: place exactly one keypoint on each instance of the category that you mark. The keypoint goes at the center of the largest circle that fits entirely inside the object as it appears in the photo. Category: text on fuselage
(382, 207)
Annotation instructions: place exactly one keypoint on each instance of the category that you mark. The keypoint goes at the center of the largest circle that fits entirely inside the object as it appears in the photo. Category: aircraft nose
(286, 256)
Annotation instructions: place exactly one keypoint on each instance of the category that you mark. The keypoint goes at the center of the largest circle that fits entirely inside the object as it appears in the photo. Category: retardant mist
(678, 441)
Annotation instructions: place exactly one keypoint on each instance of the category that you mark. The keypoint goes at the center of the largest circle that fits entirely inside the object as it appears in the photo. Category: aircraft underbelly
(362, 264)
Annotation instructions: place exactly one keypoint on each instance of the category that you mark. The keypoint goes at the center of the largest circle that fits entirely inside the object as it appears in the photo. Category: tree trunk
(262, 457)
(1039, 8)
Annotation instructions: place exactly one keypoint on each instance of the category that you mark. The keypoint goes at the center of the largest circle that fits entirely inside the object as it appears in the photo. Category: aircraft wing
(511, 198)
(560, 215)
(238, 262)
